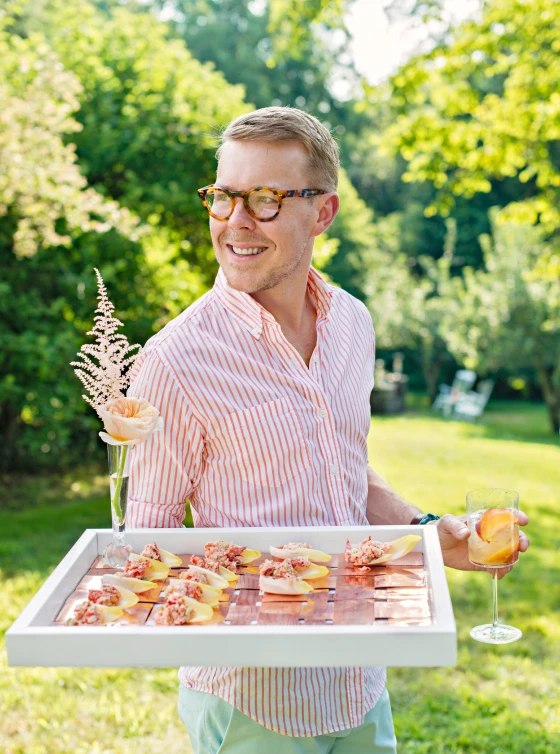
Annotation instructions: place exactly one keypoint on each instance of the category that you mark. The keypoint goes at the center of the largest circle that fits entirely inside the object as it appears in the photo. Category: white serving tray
(33, 641)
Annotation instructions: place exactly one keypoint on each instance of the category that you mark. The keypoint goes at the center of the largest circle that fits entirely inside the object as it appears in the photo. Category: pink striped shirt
(253, 437)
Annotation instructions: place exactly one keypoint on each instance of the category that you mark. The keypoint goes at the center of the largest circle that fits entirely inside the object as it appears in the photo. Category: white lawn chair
(471, 405)
(448, 395)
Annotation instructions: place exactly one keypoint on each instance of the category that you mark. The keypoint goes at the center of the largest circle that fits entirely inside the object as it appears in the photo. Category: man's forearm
(384, 506)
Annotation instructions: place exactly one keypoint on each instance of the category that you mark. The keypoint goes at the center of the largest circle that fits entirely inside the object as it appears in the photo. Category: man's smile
(245, 251)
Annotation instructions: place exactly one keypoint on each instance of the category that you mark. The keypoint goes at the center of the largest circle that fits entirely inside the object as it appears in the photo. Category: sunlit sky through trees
(379, 46)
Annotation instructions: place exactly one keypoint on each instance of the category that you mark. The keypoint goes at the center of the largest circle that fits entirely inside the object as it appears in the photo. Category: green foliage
(486, 107)
(144, 136)
(509, 313)
(291, 23)
(407, 308)
(150, 113)
(40, 183)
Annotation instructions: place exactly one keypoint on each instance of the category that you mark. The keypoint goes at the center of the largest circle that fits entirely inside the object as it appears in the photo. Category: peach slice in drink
(499, 532)
(494, 521)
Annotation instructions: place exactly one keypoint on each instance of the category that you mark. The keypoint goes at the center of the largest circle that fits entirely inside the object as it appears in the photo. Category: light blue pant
(215, 726)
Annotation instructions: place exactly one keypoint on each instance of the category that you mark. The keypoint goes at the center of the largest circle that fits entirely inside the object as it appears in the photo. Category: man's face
(286, 241)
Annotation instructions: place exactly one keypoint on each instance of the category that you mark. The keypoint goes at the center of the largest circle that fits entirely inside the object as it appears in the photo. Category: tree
(486, 107)
(509, 313)
(144, 138)
(408, 308)
(42, 192)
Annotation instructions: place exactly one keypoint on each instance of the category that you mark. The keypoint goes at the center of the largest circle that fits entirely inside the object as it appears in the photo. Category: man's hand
(453, 537)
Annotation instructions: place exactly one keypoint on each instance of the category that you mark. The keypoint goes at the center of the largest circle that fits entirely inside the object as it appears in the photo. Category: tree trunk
(9, 420)
(431, 364)
(551, 396)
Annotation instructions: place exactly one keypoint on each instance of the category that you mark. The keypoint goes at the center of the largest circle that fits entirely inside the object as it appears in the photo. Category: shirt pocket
(267, 443)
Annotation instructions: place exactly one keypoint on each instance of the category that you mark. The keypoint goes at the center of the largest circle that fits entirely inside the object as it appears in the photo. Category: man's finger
(455, 526)
(522, 519)
(523, 542)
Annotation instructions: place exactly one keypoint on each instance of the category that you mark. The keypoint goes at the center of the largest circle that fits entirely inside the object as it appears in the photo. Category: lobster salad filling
(284, 577)
(152, 551)
(108, 595)
(180, 609)
(366, 553)
(176, 611)
(88, 613)
(285, 569)
(185, 588)
(194, 575)
(136, 569)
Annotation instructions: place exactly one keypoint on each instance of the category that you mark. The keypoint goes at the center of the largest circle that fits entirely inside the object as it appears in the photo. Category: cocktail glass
(492, 516)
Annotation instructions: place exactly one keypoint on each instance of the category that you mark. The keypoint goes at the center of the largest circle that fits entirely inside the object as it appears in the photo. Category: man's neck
(292, 307)
(289, 303)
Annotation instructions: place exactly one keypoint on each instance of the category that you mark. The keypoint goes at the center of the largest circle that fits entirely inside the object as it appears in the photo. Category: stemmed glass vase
(117, 551)
(492, 516)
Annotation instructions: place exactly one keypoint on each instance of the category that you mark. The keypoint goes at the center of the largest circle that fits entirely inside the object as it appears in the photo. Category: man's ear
(329, 206)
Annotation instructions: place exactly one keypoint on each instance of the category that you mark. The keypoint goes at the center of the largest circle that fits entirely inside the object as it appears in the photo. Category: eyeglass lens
(263, 203)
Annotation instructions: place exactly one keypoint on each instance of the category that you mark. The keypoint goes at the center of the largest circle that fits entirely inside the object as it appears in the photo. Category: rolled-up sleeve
(166, 468)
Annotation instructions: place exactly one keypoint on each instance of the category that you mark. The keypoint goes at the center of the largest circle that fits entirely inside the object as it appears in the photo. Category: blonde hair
(290, 124)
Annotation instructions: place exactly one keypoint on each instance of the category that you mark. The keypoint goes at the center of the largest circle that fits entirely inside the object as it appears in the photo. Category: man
(264, 387)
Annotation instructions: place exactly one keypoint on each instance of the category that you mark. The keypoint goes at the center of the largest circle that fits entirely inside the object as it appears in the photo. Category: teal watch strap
(426, 519)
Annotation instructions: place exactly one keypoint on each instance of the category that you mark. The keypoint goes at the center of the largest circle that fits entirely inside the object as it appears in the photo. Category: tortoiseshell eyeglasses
(262, 203)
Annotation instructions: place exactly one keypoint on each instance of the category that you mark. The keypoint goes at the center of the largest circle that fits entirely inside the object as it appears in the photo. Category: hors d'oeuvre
(154, 552)
(128, 583)
(282, 578)
(141, 567)
(112, 596)
(299, 550)
(201, 592)
(180, 610)
(229, 555)
(88, 613)
(214, 566)
(371, 553)
(203, 576)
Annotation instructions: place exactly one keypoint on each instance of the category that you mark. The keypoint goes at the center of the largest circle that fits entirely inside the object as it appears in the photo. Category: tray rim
(29, 641)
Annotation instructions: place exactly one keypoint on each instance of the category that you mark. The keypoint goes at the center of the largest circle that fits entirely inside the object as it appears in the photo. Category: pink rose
(128, 421)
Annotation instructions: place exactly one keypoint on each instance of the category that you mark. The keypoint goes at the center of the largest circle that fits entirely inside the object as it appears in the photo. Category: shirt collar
(251, 314)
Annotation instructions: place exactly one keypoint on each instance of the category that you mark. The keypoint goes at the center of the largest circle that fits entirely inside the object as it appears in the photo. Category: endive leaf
(283, 553)
(169, 559)
(203, 612)
(214, 579)
(157, 570)
(248, 556)
(314, 572)
(210, 594)
(283, 586)
(228, 575)
(128, 598)
(134, 585)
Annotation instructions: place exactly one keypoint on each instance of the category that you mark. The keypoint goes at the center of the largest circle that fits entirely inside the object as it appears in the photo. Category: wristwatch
(425, 518)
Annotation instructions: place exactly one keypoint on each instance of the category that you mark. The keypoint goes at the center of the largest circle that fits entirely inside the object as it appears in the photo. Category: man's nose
(240, 218)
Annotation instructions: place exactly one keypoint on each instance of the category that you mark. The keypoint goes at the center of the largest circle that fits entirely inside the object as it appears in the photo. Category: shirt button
(255, 332)
(323, 413)
(334, 469)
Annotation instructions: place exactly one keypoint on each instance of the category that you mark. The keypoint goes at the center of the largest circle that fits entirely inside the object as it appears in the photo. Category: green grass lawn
(503, 700)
